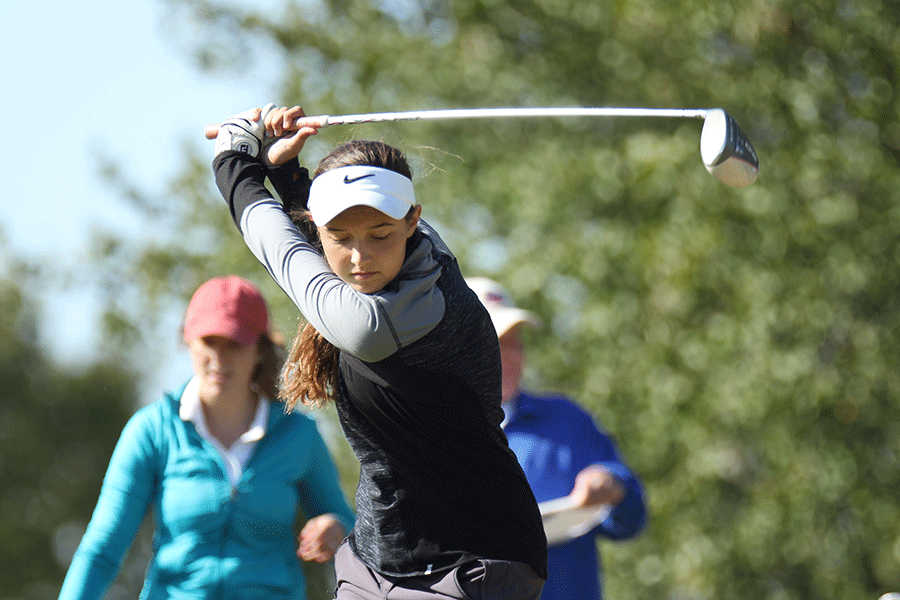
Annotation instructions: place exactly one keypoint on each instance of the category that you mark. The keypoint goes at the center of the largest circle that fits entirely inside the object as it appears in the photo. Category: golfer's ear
(413, 220)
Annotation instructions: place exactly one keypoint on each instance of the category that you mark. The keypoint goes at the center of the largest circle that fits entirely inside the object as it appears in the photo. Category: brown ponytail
(271, 352)
(310, 373)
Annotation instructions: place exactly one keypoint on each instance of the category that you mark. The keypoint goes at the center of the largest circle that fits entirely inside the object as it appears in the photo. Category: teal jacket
(210, 540)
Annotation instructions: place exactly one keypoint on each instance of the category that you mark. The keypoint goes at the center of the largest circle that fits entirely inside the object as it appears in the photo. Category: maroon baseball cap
(231, 307)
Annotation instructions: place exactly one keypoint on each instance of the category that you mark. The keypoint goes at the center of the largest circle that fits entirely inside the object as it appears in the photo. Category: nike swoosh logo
(348, 180)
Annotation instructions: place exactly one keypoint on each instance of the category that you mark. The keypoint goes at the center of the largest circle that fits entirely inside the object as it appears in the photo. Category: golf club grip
(476, 113)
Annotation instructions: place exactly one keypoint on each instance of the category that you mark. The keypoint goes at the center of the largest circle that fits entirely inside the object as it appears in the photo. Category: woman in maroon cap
(224, 469)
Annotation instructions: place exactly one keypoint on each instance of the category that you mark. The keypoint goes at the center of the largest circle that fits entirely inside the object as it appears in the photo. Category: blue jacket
(210, 541)
(554, 440)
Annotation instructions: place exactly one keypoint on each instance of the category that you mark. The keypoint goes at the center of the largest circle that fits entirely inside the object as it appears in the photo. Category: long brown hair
(267, 372)
(310, 373)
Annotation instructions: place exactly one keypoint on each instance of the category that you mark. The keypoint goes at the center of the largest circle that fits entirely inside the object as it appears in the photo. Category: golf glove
(242, 134)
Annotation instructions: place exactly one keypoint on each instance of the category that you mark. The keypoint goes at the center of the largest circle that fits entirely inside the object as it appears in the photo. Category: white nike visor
(334, 191)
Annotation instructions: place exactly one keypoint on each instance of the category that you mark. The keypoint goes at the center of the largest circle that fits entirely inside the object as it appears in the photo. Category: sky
(98, 76)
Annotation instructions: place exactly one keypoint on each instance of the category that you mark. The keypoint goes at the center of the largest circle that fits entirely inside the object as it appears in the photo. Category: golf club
(724, 148)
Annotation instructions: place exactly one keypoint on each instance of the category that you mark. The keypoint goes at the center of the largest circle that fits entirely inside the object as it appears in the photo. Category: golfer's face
(365, 247)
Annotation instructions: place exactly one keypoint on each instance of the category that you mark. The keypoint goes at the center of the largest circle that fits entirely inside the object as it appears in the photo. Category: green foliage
(741, 344)
(57, 432)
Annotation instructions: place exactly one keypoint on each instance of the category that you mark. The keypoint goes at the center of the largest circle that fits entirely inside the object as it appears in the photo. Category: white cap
(504, 314)
(334, 191)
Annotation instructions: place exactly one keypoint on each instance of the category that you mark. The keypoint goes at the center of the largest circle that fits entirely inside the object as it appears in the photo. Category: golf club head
(726, 151)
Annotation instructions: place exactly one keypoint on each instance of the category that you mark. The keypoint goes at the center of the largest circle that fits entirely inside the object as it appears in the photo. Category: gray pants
(478, 580)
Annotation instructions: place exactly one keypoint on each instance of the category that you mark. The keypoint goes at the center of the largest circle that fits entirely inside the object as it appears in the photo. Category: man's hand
(595, 485)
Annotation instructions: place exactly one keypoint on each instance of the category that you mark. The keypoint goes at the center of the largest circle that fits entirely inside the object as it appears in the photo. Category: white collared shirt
(236, 457)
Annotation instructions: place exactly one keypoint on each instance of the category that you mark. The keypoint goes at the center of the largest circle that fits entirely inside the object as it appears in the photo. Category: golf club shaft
(475, 113)
(726, 151)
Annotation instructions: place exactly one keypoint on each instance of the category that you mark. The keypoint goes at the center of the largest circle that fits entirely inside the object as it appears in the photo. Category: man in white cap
(563, 453)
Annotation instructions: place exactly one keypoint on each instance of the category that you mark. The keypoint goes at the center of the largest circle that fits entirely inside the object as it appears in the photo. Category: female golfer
(224, 470)
(407, 353)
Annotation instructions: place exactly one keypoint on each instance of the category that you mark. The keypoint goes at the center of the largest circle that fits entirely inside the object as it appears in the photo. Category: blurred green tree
(742, 344)
(57, 432)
